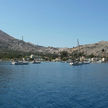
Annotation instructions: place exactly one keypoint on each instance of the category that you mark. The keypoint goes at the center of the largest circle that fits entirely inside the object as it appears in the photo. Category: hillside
(7, 42)
(96, 49)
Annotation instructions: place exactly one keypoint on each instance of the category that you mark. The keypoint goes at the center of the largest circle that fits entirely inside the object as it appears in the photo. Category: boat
(20, 63)
(99, 61)
(86, 62)
(76, 63)
(79, 63)
(35, 62)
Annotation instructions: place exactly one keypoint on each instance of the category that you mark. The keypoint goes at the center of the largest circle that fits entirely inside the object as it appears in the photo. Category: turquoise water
(53, 85)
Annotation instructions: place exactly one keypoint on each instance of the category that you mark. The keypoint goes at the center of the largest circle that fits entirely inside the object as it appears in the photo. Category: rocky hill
(97, 49)
(7, 42)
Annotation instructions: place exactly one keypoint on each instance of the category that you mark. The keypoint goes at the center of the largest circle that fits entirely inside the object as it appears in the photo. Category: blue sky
(57, 23)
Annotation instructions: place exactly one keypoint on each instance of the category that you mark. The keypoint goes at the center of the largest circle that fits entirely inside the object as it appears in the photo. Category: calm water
(53, 85)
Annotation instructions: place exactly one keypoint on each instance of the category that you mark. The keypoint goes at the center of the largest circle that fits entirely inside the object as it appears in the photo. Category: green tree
(64, 55)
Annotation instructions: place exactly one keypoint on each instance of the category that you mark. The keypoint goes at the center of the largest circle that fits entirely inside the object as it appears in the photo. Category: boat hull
(20, 63)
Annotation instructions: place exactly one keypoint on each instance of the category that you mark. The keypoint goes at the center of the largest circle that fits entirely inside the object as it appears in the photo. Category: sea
(53, 85)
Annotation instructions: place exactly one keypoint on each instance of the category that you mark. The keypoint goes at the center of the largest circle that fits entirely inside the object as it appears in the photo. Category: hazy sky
(56, 23)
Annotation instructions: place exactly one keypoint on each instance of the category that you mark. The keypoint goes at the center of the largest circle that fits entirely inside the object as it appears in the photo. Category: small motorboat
(35, 62)
(20, 63)
(86, 62)
(76, 63)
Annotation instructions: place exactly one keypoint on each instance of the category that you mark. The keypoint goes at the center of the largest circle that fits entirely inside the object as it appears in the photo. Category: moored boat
(76, 63)
(20, 63)
(86, 62)
(35, 62)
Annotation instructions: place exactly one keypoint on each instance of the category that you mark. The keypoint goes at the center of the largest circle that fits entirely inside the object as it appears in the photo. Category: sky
(57, 23)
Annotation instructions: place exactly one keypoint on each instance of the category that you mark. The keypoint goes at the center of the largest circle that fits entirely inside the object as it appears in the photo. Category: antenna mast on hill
(78, 44)
(22, 38)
